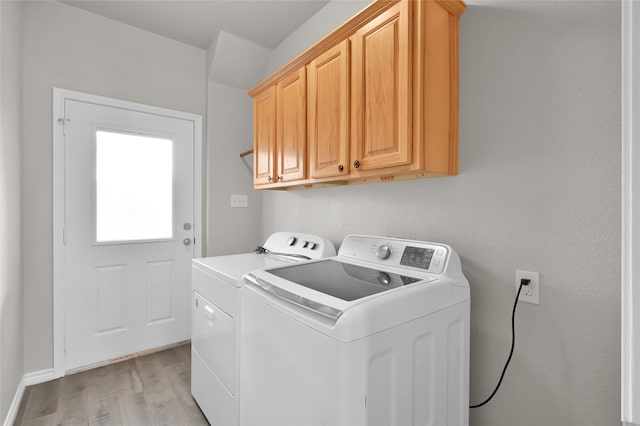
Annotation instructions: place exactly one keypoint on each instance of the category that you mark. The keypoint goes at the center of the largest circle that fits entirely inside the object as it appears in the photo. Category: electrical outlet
(530, 293)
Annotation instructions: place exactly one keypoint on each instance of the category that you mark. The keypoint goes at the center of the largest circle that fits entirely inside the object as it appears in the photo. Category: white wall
(538, 189)
(73, 49)
(234, 66)
(315, 28)
(237, 62)
(630, 300)
(11, 345)
(230, 132)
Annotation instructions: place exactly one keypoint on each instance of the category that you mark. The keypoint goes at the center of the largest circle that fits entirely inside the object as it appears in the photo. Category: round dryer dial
(383, 251)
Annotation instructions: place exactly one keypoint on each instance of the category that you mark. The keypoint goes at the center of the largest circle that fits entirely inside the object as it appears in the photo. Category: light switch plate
(239, 201)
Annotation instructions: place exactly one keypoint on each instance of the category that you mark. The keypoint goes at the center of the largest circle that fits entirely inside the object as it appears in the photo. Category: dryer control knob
(313, 245)
(383, 252)
(291, 241)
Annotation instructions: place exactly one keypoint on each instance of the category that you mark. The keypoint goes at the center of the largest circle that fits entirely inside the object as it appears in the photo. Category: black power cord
(523, 282)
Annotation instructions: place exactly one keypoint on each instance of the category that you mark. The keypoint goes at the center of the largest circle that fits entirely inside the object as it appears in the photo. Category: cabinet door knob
(356, 164)
(270, 179)
(341, 168)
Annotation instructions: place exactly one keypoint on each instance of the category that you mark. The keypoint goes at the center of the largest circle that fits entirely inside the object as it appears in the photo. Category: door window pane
(134, 187)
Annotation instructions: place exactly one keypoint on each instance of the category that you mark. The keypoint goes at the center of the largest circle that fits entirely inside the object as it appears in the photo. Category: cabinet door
(291, 130)
(328, 113)
(381, 91)
(264, 136)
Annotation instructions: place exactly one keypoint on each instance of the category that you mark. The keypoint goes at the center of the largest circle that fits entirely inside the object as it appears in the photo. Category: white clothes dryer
(215, 309)
(378, 335)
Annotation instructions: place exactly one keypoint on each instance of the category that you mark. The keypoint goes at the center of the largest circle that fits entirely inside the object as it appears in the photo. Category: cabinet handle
(278, 178)
(341, 168)
(356, 164)
(270, 179)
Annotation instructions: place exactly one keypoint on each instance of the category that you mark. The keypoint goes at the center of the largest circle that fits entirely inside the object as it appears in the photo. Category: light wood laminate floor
(153, 389)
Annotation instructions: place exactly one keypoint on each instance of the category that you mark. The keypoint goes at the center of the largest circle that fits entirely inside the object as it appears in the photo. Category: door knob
(186, 242)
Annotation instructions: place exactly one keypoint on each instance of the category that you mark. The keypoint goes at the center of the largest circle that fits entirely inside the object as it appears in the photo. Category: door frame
(58, 152)
(630, 345)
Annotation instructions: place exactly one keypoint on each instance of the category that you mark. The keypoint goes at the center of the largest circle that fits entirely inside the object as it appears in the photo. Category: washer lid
(375, 307)
(345, 281)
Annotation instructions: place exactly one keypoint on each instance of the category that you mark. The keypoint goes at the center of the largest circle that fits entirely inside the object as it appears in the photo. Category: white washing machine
(215, 309)
(378, 335)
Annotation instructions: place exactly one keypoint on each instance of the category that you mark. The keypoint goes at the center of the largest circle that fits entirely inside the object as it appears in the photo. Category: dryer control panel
(297, 243)
(418, 255)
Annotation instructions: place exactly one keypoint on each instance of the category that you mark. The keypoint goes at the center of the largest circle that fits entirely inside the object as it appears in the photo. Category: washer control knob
(384, 278)
(313, 245)
(305, 244)
(383, 251)
(291, 241)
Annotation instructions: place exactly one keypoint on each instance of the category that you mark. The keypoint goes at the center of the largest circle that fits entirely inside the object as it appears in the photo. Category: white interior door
(128, 233)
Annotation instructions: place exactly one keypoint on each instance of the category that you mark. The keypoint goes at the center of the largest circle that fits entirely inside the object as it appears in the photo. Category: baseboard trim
(41, 376)
(15, 404)
(27, 380)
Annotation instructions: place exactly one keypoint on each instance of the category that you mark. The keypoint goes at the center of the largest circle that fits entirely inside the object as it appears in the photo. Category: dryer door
(214, 339)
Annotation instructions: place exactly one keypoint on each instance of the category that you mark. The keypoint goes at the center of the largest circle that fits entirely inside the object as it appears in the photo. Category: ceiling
(265, 22)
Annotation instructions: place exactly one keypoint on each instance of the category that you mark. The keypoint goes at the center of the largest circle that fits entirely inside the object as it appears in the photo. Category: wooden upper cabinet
(264, 136)
(381, 101)
(291, 130)
(381, 91)
(328, 113)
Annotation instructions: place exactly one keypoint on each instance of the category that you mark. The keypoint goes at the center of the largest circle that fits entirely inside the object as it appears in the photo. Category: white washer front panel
(413, 374)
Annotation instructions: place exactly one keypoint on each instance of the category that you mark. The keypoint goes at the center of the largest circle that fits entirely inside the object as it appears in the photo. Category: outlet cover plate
(530, 293)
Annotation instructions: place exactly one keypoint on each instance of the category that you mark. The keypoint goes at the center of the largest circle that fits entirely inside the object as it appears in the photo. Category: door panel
(127, 252)
(291, 97)
(264, 127)
(328, 111)
(159, 277)
(109, 298)
(381, 94)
